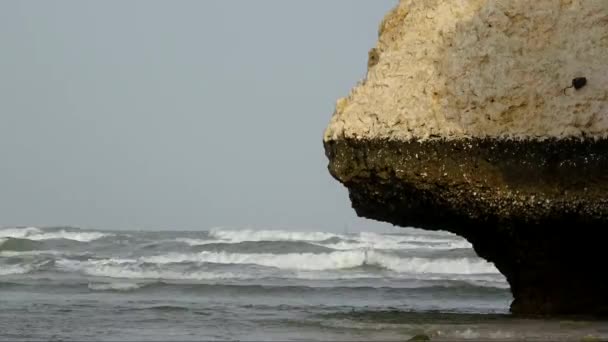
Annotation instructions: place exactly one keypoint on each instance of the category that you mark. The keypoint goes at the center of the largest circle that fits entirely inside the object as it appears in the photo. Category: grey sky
(177, 114)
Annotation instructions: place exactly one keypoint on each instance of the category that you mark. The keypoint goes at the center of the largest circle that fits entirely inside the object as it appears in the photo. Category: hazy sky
(177, 114)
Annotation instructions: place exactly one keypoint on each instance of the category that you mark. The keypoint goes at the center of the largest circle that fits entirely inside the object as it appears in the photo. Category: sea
(71, 284)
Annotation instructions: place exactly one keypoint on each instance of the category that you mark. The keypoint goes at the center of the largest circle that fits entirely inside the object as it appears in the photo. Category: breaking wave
(126, 269)
(33, 233)
(14, 269)
(334, 241)
(117, 286)
(340, 260)
(237, 236)
(334, 260)
(121, 262)
(16, 244)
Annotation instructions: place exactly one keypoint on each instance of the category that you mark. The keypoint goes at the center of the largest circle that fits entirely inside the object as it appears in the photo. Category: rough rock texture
(464, 123)
(480, 68)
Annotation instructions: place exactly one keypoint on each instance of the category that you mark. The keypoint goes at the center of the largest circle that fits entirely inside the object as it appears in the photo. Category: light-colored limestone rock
(483, 68)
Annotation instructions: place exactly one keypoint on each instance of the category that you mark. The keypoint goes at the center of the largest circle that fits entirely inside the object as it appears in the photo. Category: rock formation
(469, 121)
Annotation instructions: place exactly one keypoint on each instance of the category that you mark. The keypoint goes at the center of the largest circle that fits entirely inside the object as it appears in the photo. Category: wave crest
(19, 245)
(335, 241)
(333, 261)
(33, 233)
(14, 269)
(115, 286)
(130, 269)
(236, 236)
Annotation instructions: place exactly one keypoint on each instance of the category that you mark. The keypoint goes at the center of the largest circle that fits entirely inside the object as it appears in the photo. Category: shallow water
(69, 284)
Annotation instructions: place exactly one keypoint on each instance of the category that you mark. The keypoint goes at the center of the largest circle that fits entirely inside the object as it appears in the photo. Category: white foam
(435, 241)
(9, 254)
(236, 236)
(466, 266)
(33, 233)
(348, 242)
(122, 268)
(247, 235)
(14, 269)
(470, 334)
(116, 286)
(76, 236)
(401, 238)
(18, 233)
(494, 280)
(195, 242)
(395, 245)
(333, 261)
(300, 266)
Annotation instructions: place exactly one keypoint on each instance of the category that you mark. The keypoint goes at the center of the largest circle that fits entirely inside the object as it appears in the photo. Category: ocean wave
(405, 280)
(236, 236)
(275, 247)
(185, 283)
(15, 269)
(129, 269)
(396, 245)
(383, 241)
(480, 335)
(288, 289)
(334, 241)
(11, 254)
(479, 280)
(33, 233)
(17, 244)
(115, 286)
(333, 261)
(144, 269)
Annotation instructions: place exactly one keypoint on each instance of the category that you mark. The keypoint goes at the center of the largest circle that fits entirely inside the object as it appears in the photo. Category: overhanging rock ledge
(465, 123)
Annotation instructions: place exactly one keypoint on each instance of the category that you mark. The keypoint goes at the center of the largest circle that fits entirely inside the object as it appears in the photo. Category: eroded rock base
(536, 209)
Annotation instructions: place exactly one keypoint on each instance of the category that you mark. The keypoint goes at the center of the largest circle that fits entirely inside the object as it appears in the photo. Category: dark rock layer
(537, 209)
